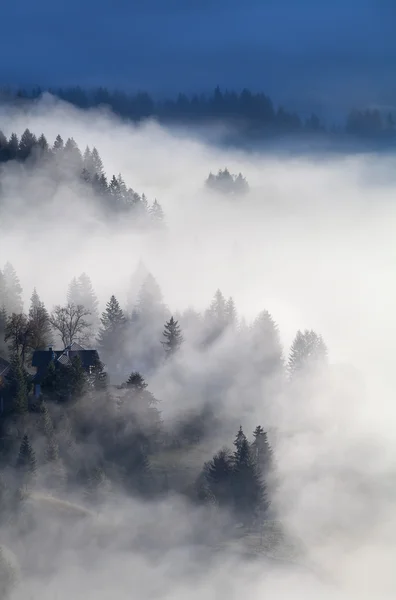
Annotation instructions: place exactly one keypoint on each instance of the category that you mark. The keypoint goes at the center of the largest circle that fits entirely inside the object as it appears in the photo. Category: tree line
(256, 111)
(64, 160)
(113, 405)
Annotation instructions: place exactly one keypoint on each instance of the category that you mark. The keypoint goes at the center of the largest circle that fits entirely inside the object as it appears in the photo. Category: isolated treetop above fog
(226, 183)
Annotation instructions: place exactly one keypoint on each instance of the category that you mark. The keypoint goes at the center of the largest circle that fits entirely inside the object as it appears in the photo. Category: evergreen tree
(13, 290)
(248, 490)
(308, 351)
(262, 452)
(216, 319)
(43, 145)
(72, 159)
(58, 144)
(26, 144)
(111, 335)
(13, 146)
(156, 214)
(150, 300)
(81, 292)
(97, 163)
(26, 462)
(265, 347)
(40, 326)
(3, 324)
(230, 312)
(17, 386)
(173, 337)
(219, 476)
(135, 284)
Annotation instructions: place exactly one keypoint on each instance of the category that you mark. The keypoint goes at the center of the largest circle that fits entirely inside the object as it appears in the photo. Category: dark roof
(4, 367)
(42, 358)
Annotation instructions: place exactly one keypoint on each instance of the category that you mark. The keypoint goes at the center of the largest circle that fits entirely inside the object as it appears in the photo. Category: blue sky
(299, 51)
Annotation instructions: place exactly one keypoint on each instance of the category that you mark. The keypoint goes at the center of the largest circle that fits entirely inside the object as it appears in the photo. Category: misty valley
(196, 390)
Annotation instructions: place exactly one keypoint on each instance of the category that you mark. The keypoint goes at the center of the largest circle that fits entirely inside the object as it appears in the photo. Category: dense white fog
(313, 243)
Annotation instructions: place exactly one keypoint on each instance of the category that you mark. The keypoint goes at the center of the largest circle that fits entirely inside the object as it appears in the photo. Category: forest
(43, 435)
(63, 162)
(255, 113)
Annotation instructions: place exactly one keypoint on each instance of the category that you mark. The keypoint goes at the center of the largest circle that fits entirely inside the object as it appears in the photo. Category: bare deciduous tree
(69, 321)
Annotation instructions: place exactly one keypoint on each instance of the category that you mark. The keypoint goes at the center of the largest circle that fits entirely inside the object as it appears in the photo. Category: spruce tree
(40, 326)
(219, 476)
(173, 337)
(156, 214)
(13, 145)
(262, 452)
(265, 346)
(81, 292)
(26, 462)
(150, 300)
(58, 144)
(17, 385)
(13, 291)
(230, 312)
(97, 162)
(111, 335)
(26, 144)
(308, 352)
(248, 489)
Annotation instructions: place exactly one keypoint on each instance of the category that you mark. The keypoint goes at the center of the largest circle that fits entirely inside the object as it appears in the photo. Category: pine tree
(3, 324)
(17, 385)
(43, 145)
(308, 351)
(219, 474)
(26, 144)
(173, 337)
(40, 326)
(150, 300)
(216, 315)
(13, 145)
(231, 313)
(72, 159)
(97, 162)
(248, 490)
(26, 462)
(135, 284)
(265, 346)
(262, 452)
(112, 334)
(136, 381)
(156, 214)
(58, 144)
(13, 290)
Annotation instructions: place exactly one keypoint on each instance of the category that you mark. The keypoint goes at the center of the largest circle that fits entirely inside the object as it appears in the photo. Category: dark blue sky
(337, 52)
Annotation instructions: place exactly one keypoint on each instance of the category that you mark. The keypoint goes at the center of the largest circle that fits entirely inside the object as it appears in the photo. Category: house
(4, 369)
(42, 358)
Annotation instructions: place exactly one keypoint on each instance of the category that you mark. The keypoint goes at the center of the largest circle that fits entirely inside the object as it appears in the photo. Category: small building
(42, 359)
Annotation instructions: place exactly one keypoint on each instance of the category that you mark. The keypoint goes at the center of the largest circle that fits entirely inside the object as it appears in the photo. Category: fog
(313, 243)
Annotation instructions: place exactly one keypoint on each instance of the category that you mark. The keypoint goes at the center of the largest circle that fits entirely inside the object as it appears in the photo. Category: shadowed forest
(254, 114)
(151, 421)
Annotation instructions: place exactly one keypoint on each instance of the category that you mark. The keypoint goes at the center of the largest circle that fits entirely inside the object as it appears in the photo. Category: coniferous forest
(128, 422)
(78, 411)
(255, 113)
